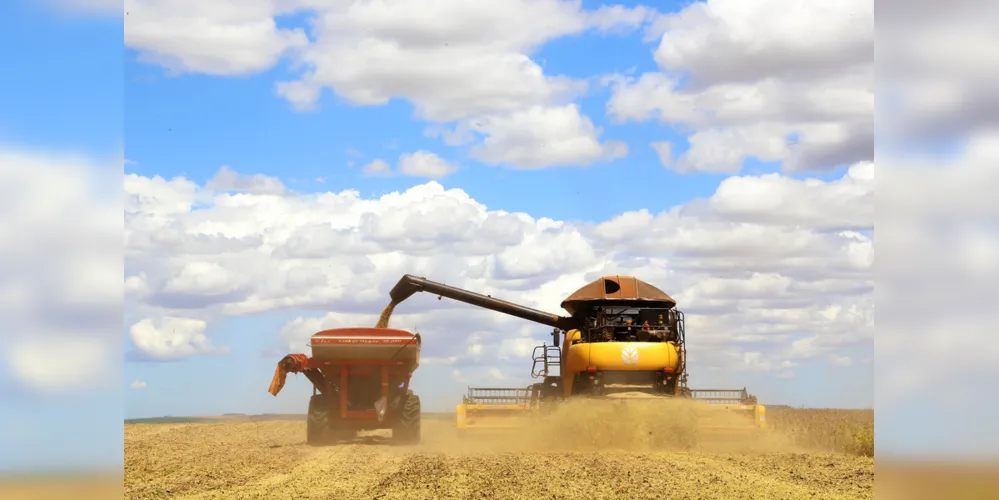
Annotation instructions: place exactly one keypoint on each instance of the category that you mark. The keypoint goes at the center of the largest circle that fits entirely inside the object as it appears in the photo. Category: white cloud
(846, 203)
(787, 284)
(377, 168)
(664, 150)
(425, 164)
(772, 80)
(215, 38)
(227, 179)
(541, 137)
(138, 384)
(454, 62)
(450, 59)
(157, 196)
(421, 163)
(171, 338)
(202, 278)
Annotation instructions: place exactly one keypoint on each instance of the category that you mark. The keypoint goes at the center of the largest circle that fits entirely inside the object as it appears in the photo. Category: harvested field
(270, 459)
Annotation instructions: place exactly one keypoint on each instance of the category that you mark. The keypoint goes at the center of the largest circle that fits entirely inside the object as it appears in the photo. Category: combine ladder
(546, 359)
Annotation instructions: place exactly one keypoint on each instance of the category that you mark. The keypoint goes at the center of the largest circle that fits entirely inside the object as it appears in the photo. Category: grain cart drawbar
(360, 379)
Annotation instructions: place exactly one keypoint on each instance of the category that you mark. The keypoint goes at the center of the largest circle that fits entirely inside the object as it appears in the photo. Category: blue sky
(78, 90)
(61, 99)
(194, 124)
(191, 125)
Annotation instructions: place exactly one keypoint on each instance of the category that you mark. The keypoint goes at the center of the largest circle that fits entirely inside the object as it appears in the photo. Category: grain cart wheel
(318, 420)
(407, 427)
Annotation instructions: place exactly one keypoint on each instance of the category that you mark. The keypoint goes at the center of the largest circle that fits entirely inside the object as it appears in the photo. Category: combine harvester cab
(623, 338)
(360, 379)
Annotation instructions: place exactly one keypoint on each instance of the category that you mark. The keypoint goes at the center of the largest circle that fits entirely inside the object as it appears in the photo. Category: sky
(285, 162)
(279, 179)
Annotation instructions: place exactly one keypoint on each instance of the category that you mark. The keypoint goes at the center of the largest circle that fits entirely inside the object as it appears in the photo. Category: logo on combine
(629, 355)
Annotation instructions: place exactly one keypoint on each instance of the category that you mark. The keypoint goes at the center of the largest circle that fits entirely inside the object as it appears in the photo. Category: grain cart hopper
(360, 381)
(623, 336)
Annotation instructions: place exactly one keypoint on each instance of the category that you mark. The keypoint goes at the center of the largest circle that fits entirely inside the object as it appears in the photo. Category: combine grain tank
(360, 379)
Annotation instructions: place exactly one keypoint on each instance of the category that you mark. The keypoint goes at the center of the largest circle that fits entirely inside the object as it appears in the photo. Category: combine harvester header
(490, 409)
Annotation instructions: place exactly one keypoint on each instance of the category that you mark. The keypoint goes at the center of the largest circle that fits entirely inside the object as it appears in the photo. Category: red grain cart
(360, 379)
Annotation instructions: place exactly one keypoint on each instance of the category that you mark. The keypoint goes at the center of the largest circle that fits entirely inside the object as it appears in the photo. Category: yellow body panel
(636, 356)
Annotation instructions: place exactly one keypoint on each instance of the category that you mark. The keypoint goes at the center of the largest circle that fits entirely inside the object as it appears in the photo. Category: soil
(270, 459)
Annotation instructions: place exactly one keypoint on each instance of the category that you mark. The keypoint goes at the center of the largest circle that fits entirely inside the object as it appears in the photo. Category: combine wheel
(407, 427)
(318, 424)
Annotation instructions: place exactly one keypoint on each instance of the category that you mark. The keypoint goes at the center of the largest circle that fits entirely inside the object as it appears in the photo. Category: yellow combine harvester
(623, 338)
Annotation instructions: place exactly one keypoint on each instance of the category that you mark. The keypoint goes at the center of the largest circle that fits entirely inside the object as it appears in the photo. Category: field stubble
(577, 452)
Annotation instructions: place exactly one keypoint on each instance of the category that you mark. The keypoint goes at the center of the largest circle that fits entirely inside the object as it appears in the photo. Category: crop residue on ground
(580, 457)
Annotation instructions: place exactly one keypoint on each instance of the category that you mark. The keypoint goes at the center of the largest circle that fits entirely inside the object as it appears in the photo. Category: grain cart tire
(407, 427)
(318, 424)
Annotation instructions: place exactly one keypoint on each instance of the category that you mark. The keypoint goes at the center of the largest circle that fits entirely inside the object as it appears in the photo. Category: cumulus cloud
(846, 203)
(371, 52)
(425, 164)
(215, 38)
(541, 137)
(227, 179)
(171, 338)
(377, 168)
(783, 284)
(138, 384)
(456, 63)
(771, 80)
(421, 163)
